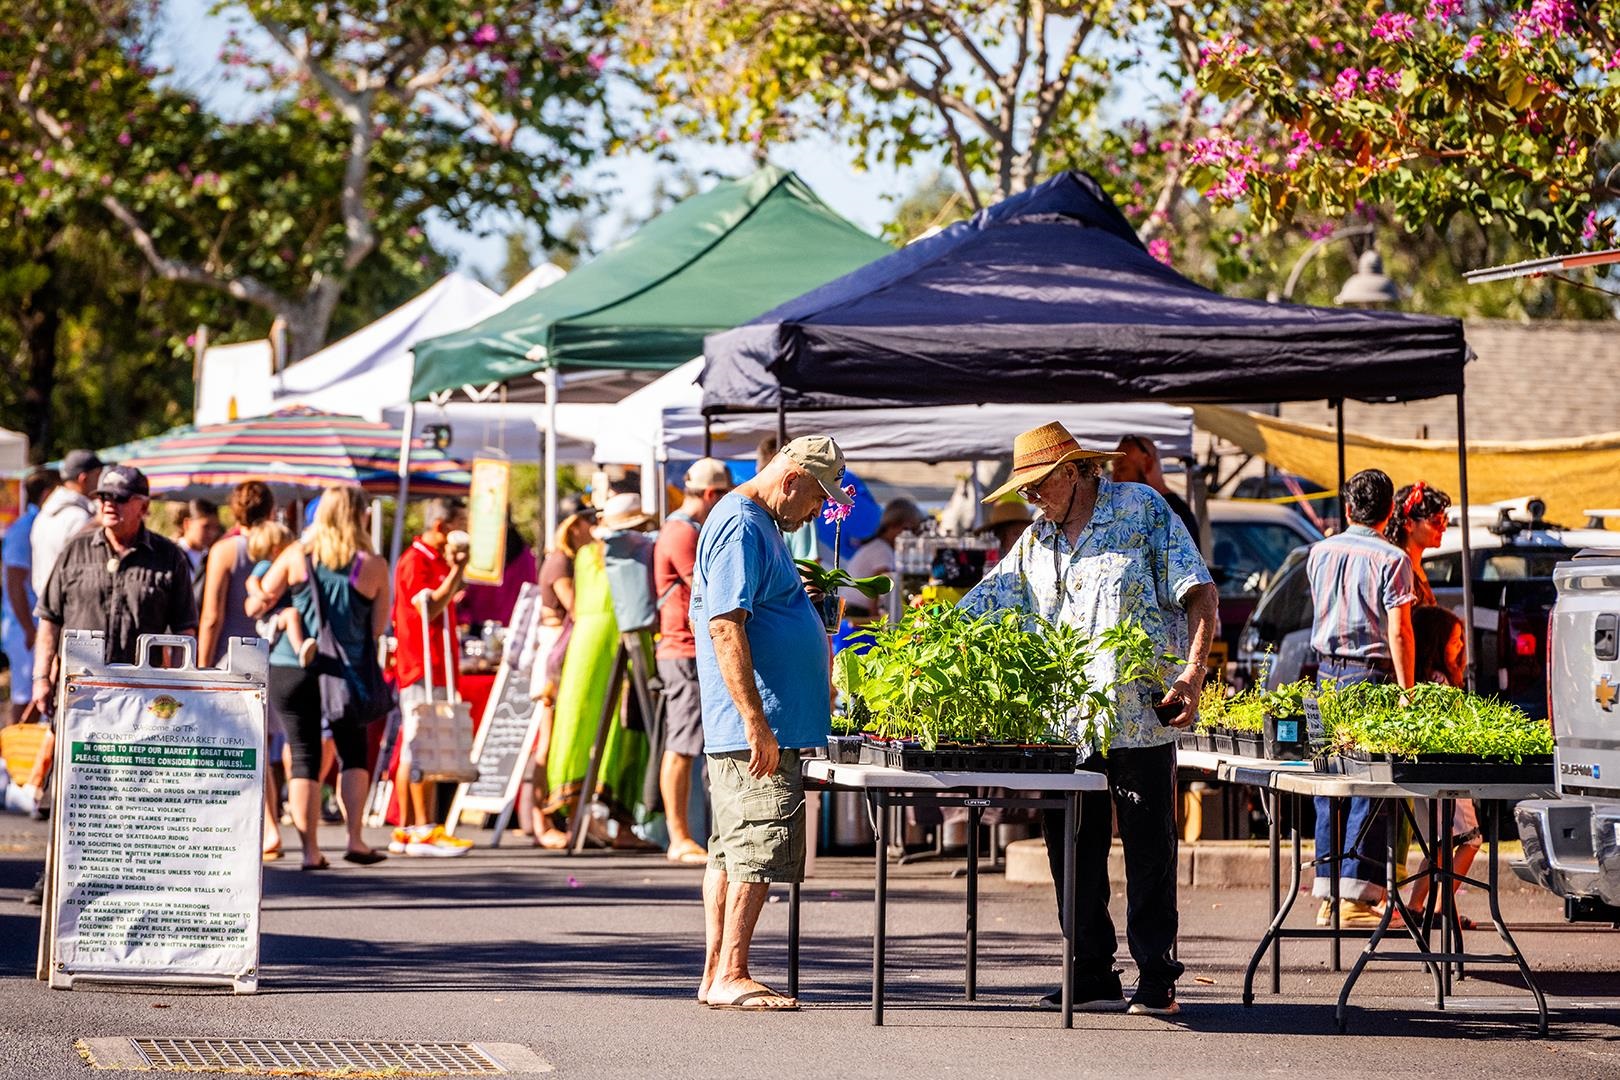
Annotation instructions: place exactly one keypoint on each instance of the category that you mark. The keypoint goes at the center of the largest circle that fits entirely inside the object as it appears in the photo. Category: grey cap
(78, 462)
(123, 480)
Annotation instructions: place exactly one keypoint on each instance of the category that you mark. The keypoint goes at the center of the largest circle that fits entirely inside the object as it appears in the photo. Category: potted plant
(1286, 733)
(1001, 691)
(1434, 734)
(831, 605)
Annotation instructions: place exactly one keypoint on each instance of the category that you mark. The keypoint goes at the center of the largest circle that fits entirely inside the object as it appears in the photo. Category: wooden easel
(632, 660)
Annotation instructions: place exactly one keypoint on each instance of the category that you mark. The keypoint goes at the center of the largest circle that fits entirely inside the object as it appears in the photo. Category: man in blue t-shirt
(762, 667)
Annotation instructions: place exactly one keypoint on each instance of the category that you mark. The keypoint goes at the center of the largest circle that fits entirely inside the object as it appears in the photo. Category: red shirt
(674, 558)
(420, 567)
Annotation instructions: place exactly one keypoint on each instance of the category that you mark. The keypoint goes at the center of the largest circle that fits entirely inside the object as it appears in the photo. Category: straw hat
(1007, 512)
(622, 513)
(1036, 453)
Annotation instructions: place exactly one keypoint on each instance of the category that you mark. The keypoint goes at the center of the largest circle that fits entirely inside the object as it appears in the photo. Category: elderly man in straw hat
(763, 675)
(1103, 553)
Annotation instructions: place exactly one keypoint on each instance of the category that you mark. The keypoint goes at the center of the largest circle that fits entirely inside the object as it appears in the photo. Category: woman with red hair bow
(1418, 524)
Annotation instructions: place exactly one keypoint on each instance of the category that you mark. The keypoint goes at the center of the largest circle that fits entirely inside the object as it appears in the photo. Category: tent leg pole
(781, 423)
(1338, 425)
(406, 430)
(708, 436)
(1467, 551)
(550, 379)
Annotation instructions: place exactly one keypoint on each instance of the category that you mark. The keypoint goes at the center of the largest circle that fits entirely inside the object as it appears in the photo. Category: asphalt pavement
(592, 963)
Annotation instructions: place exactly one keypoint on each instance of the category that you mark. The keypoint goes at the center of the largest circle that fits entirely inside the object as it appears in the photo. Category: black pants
(1142, 789)
(295, 695)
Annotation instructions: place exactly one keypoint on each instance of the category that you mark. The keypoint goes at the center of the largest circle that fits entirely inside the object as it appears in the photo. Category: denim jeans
(1362, 871)
(1142, 791)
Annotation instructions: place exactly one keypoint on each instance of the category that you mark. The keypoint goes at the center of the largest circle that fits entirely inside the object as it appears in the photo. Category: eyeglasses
(116, 500)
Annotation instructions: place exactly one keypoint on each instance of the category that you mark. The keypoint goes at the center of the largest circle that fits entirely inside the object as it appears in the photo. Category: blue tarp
(1050, 297)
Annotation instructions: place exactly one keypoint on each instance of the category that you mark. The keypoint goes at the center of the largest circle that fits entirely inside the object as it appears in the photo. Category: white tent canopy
(370, 370)
(663, 421)
(233, 382)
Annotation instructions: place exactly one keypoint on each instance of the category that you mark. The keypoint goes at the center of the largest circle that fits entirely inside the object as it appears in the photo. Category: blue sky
(192, 37)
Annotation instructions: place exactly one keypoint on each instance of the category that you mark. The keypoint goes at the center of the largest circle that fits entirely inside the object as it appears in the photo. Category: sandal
(760, 1001)
(690, 853)
(364, 858)
(322, 865)
(552, 840)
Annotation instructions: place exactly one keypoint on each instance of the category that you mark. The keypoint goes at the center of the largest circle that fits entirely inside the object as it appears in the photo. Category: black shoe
(35, 897)
(1151, 1000)
(1092, 993)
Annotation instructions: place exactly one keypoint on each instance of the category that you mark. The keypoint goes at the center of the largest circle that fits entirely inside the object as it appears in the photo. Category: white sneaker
(433, 842)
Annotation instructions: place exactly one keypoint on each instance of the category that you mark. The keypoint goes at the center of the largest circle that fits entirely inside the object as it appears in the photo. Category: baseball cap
(707, 473)
(819, 456)
(123, 480)
(78, 462)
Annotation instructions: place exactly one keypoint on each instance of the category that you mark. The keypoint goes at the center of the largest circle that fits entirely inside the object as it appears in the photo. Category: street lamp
(1369, 285)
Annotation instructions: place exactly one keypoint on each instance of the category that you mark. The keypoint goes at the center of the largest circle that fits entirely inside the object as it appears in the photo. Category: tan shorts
(759, 825)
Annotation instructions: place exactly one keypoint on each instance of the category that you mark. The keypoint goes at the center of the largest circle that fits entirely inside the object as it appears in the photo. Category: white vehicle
(1572, 844)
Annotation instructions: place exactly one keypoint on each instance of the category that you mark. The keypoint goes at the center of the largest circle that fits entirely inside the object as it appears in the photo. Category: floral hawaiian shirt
(1134, 561)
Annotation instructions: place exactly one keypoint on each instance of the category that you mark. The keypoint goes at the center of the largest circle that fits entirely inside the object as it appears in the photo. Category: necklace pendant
(112, 564)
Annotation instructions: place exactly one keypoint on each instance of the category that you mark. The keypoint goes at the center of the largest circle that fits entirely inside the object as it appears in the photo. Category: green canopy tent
(715, 261)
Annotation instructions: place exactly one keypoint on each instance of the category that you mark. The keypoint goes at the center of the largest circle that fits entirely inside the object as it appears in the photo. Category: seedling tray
(1444, 768)
(1250, 744)
(966, 757)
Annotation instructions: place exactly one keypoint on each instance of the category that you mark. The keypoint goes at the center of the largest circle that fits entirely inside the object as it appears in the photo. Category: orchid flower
(833, 514)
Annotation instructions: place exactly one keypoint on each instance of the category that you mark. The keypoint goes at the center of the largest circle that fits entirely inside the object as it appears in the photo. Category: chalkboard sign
(509, 726)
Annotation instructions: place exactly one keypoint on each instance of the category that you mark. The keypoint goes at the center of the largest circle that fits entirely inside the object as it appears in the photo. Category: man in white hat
(1105, 553)
(674, 558)
(763, 672)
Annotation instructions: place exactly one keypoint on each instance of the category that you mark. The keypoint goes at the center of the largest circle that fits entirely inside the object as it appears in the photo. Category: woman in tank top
(224, 598)
(354, 597)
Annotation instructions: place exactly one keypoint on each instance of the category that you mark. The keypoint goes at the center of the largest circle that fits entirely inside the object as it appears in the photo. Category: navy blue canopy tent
(1050, 296)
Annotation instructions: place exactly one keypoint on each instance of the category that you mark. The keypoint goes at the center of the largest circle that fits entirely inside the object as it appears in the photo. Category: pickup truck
(1572, 843)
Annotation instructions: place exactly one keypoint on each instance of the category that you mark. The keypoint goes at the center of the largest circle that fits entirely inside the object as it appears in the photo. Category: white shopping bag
(437, 736)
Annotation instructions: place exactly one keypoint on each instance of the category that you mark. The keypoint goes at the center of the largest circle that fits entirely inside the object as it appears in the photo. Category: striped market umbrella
(299, 452)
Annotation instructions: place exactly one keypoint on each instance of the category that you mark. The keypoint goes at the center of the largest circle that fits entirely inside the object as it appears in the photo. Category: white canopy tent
(233, 383)
(663, 421)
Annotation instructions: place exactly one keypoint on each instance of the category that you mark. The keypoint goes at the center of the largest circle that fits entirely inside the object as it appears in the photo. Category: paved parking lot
(592, 963)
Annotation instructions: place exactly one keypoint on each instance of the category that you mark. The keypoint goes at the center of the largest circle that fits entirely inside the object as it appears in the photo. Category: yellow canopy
(1571, 475)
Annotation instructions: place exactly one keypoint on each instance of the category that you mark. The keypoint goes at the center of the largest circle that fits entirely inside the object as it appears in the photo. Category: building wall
(1540, 380)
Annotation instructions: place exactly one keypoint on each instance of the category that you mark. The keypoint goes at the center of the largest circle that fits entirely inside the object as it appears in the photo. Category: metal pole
(552, 382)
(1467, 550)
(1338, 424)
(406, 429)
(781, 423)
(708, 436)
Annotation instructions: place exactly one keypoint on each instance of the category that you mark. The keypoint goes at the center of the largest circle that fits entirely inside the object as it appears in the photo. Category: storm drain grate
(319, 1057)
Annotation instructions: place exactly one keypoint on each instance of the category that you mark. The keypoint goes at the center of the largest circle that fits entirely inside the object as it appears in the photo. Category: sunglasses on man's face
(117, 500)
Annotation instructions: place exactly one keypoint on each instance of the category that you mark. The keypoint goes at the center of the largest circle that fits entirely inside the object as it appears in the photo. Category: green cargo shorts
(759, 825)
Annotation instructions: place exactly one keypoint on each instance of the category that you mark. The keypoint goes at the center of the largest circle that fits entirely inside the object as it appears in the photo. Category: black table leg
(1071, 829)
(880, 900)
(793, 940)
(1274, 842)
(1341, 1012)
(1272, 938)
(973, 903)
(1501, 926)
(1335, 863)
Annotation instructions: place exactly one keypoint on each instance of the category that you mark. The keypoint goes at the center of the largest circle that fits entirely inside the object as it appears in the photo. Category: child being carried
(265, 541)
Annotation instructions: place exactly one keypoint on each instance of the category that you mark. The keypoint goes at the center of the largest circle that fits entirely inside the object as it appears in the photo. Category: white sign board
(159, 821)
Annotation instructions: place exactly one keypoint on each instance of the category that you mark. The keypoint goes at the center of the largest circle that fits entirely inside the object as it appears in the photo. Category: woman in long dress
(582, 692)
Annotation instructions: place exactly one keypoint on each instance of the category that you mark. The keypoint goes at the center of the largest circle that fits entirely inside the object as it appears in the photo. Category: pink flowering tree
(362, 119)
(1502, 113)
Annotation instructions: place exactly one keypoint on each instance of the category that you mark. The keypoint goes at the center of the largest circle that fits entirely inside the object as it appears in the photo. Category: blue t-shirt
(16, 551)
(743, 563)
